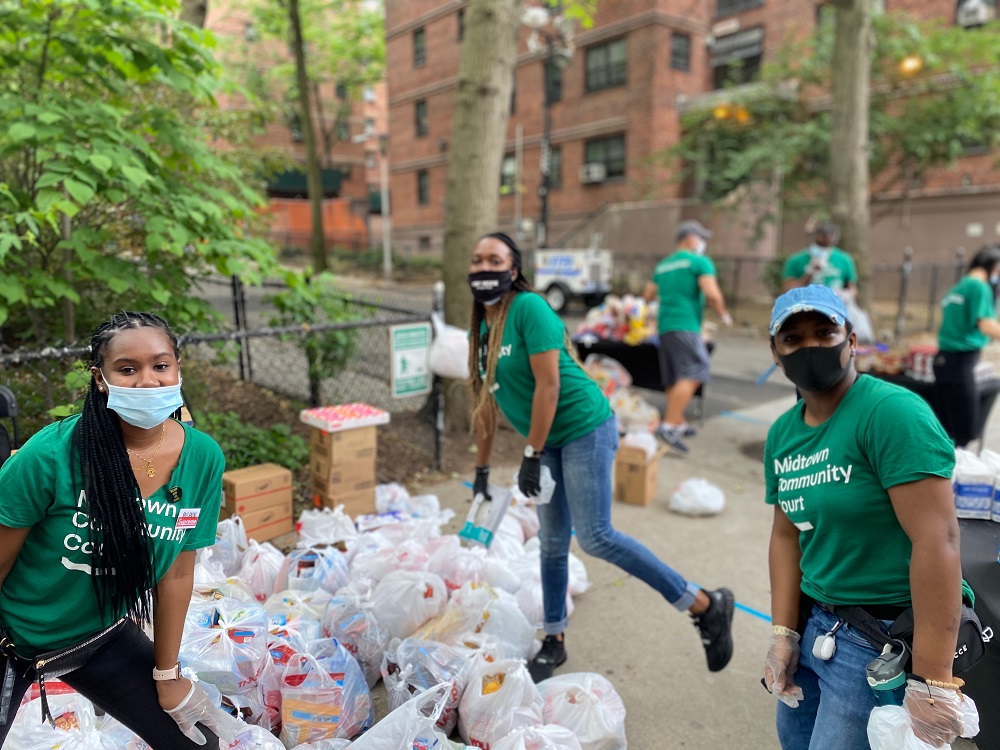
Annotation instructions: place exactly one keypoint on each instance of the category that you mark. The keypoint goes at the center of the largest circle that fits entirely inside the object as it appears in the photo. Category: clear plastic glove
(727, 320)
(779, 667)
(196, 708)
(936, 714)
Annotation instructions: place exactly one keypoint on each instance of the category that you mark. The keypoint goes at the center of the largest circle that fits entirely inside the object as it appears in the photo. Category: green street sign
(409, 344)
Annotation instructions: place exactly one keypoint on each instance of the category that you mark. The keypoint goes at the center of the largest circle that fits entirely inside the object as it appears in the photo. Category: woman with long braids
(523, 365)
(100, 517)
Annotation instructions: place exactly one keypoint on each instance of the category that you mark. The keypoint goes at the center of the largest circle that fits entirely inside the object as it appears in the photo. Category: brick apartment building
(619, 100)
(351, 176)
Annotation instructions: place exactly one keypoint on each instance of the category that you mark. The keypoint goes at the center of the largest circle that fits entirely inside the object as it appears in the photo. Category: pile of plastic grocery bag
(291, 645)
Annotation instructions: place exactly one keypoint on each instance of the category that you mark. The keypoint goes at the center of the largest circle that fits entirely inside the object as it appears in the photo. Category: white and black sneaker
(551, 655)
(672, 437)
(715, 625)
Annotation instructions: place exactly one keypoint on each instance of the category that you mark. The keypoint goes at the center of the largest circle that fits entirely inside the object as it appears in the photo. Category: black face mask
(815, 368)
(489, 286)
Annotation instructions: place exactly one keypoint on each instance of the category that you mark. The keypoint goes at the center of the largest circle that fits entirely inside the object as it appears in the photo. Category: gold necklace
(150, 469)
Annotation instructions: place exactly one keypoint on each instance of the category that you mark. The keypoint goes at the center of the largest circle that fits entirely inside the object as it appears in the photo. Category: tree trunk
(478, 131)
(194, 12)
(314, 182)
(849, 176)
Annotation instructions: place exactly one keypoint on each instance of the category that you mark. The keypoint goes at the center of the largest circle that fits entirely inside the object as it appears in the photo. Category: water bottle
(887, 674)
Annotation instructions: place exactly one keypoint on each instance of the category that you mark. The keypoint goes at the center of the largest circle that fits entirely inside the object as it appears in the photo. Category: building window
(508, 175)
(343, 130)
(553, 82)
(680, 51)
(341, 91)
(369, 94)
(420, 117)
(736, 58)
(729, 7)
(369, 126)
(555, 167)
(513, 98)
(295, 126)
(424, 243)
(607, 151)
(607, 65)
(460, 17)
(423, 187)
(370, 162)
(419, 48)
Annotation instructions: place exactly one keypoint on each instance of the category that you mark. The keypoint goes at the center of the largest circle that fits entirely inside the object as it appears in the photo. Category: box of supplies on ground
(343, 417)
(344, 448)
(636, 474)
(262, 496)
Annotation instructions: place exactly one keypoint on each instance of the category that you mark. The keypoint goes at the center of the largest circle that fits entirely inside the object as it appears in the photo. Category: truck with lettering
(567, 274)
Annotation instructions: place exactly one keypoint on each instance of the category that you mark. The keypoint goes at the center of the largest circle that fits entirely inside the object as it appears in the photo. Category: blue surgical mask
(995, 279)
(144, 407)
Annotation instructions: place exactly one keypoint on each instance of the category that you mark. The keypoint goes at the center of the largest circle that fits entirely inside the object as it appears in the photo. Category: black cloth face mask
(489, 286)
(815, 368)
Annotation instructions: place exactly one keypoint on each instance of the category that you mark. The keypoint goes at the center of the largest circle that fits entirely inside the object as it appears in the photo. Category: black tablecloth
(988, 391)
(642, 360)
(980, 540)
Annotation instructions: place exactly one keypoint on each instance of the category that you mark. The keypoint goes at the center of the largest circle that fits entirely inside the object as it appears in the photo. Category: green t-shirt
(837, 272)
(532, 327)
(681, 299)
(47, 600)
(968, 302)
(832, 482)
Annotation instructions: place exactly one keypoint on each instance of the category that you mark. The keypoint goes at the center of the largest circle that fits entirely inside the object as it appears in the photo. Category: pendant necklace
(150, 469)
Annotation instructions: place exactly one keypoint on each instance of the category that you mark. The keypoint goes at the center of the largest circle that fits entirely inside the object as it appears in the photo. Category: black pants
(119, 680)
(956, 396)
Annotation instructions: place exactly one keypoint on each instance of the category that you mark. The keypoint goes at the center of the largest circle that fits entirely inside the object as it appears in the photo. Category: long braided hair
(484, 407)
(121, 561)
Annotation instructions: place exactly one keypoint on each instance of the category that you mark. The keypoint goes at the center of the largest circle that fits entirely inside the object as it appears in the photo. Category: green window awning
(292, 184)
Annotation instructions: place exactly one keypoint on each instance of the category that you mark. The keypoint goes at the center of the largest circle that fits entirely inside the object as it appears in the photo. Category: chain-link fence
(322, 362)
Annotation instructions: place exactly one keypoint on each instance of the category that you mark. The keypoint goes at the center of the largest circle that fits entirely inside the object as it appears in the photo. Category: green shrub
(246, 445)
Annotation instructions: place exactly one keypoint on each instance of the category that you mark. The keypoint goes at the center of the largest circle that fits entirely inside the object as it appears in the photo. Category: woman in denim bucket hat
(859, 474)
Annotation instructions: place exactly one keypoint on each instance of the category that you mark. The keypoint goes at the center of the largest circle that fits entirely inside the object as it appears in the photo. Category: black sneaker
(551, 655)
(716, 627)
(688, 430)
(671, 437)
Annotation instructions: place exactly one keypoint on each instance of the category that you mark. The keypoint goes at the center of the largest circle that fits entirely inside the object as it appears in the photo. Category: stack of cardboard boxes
(262, 496)
(344, 449)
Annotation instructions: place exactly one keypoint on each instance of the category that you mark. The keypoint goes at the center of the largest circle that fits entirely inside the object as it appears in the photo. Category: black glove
(479, 486)
(529, 477)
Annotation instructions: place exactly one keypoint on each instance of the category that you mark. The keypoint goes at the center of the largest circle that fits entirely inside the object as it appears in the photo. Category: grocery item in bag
(587, 704)
(499, 699)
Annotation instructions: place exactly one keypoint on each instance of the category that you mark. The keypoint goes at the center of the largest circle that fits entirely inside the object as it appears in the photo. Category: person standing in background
(822, 263)
(684, 281)
(968, 322)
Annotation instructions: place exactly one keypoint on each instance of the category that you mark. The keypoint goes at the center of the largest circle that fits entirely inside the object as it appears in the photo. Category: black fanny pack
(51, 664)
(969, 650)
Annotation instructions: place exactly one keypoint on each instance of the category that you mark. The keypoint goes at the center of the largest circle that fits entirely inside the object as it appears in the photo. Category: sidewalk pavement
(651, 653)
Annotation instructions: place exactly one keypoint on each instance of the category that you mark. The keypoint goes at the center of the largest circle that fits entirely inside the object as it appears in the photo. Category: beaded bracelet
(957, 685)
(781, 630)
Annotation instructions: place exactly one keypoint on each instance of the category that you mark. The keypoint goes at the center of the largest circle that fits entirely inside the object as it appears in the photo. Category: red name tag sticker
(187, 518)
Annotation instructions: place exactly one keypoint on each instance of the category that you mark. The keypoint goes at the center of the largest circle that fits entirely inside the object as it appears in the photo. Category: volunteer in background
(522, 365)
(100, 517)
(684, 281)
(822, 263)
(968, 322)
(859, 473)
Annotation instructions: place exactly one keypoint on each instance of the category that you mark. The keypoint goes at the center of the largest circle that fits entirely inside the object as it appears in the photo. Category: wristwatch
(530, 452)
(162, 675)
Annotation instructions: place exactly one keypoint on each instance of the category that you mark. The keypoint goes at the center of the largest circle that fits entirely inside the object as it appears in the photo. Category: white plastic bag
(411, 666)
(230, 544)
(587, 704)
(312, 568)
(545, 737)
(320, 526)
(349, 619)
(697, 497)
(889, 729)
(225, 643)
(260, 567)
(449, 353)
(862, 324)
(500, 698)
(406, 599)
(322, 699)
(409, 726)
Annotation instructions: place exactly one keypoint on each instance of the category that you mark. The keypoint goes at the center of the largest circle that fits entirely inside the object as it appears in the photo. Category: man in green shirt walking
(684, 281)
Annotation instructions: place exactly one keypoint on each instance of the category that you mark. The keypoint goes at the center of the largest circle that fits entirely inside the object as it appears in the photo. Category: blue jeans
(582, 499)
(838, 701)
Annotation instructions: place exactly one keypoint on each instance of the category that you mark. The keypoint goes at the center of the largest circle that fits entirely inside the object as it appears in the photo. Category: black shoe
(716, 627)
(551, 655)
(688, 431)
(671, 438)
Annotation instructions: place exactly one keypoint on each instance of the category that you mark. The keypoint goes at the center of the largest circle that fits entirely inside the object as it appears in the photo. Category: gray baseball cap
(692, 226)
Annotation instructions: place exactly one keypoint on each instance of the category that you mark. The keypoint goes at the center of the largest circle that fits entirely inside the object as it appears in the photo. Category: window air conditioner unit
(974, 13)
(593, 172)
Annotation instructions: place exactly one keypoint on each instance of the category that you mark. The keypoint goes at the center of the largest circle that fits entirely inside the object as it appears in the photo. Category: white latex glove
(936, 714)
(779, 667)
(198, 707)
(727, 320)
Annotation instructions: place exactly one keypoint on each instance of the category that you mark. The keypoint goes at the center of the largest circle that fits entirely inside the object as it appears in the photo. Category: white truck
(566, 274)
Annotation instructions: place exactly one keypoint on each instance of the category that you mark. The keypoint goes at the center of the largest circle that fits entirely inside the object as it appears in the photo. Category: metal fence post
(959, 263)
(438, 307)
(906, 270)
(737, 267)
(238, 321)
(932, 301)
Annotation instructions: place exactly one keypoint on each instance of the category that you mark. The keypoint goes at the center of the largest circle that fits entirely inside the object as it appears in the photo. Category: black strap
(861, 620)
(9, 672)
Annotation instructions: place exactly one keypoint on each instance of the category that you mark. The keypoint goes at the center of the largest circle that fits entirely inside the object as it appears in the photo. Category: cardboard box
(266, 523)
(345, 446)
(345, 480)
(635, 475)
(255, 488)
(355, 503)
(322, 468)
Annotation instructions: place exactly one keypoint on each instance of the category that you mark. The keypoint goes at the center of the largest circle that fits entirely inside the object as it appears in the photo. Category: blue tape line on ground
(754, 612)
(468, 484)
(744, 418)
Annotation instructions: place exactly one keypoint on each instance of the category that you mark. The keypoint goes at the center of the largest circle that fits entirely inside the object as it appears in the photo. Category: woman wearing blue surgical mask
(968, 322)
(524, 366)
(100, 517)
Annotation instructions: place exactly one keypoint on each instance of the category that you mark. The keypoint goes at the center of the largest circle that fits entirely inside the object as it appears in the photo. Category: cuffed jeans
(582, 500)
(834, 714)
